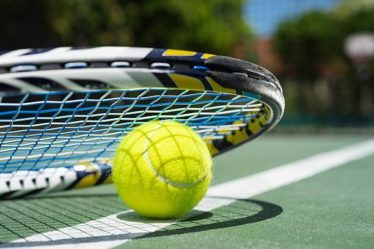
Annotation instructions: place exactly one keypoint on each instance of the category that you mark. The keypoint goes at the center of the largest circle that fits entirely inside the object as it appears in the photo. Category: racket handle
(38, 183)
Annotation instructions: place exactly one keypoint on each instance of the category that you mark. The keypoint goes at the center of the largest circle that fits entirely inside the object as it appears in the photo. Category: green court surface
(333, 209)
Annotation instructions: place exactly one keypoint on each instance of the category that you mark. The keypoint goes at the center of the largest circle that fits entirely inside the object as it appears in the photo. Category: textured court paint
(332, 210)
(298, 171)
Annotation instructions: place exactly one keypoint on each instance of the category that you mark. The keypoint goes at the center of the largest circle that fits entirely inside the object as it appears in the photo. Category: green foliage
(24, 23)
(311, 48)
(215, 26)
(347, 7)
(357, 21)
(88, 22)
(315, 41)
(306, 43)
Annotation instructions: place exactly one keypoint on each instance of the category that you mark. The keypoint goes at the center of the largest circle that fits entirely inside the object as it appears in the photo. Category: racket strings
(59, 129)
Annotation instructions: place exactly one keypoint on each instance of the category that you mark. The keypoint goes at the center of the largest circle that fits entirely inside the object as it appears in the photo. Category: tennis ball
(162, 169)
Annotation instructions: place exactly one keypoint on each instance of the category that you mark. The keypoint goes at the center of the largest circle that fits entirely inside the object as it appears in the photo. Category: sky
(264, 15)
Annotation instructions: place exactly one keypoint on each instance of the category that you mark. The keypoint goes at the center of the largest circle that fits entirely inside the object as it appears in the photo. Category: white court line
(245, 187)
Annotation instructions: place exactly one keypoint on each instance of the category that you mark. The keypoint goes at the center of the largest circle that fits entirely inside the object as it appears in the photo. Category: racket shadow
(99, 218)
(239, 212)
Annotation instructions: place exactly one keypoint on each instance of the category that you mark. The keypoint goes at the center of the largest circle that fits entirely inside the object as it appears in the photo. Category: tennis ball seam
(161, 177)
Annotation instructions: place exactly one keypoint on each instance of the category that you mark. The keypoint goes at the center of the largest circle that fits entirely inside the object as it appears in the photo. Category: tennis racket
(64, 110)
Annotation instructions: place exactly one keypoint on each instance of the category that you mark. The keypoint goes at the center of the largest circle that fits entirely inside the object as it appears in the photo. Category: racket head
(68, 107)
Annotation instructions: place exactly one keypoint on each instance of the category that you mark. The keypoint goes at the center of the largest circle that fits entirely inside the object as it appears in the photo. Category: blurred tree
(307, 43)
(89, 22)
(216, 26)
(361, 21)
(24, 24)
(346, 7)
(358, 21)
(311, 48)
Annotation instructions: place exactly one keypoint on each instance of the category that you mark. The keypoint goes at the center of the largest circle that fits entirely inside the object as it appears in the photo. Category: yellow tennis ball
(162, 169)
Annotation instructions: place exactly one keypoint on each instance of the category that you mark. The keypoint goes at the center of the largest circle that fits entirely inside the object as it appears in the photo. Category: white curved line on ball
(162, 178)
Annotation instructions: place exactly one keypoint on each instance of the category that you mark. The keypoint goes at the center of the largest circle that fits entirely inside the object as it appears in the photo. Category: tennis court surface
(306, 191)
